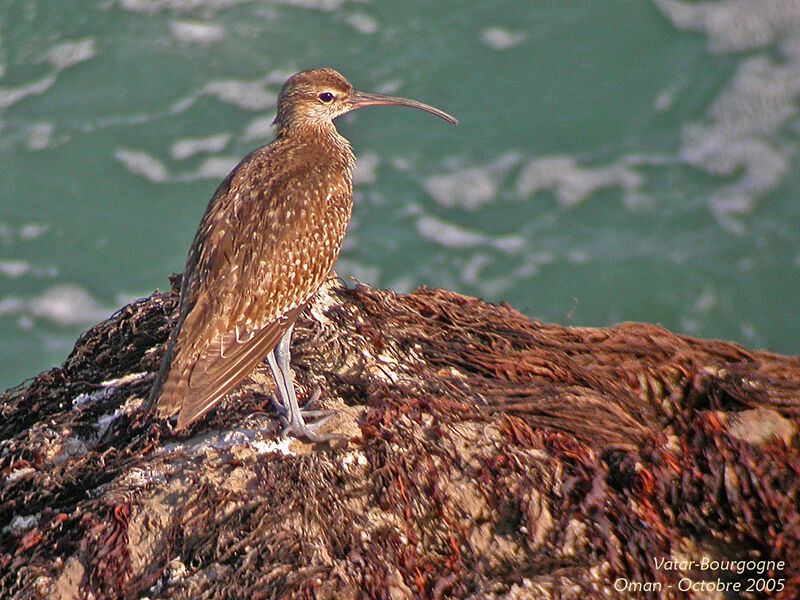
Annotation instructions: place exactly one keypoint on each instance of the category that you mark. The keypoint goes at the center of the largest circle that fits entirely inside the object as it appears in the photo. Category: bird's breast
(294, 245)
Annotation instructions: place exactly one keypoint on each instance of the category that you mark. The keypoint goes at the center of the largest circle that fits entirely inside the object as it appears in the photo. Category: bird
(266, 243)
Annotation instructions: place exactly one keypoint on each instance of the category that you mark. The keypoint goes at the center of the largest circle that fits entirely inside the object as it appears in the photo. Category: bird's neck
(321, 136)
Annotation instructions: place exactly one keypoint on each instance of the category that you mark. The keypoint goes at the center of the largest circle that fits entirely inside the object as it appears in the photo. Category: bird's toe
(312, 402)
(299, 428)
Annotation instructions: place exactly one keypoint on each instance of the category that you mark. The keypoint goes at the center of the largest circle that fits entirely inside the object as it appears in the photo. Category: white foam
(578, 257)
(363, 23)
(68, 54)
(402, 163)
(196, 32)
(510, 244)
(142, 163)
(175, 5)
(11, 305)
(471, 271)
(470, 187)
(188, 147)
(14, 268)
(403, 285)
(259, 129)
(214, 167)
(572, 183)
(40, 136)
(735, 25)
(249, 95)
(67, 305)
(366, 169)
(324, 5)
(742, 134)
(358, 271)
(9, 96)
(61, 56)
(665, 99)
(752, 334)
(447, 234)
(499, 38)
(706, 300)
(746, 264)
(689, 325)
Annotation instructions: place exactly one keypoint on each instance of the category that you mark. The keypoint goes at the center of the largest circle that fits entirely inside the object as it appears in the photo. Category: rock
(489, 456)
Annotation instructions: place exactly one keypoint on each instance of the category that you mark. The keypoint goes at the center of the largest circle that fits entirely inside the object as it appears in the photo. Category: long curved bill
(360, 99)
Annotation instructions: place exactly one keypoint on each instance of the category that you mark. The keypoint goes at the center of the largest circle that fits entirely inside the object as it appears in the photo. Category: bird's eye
(326, 97)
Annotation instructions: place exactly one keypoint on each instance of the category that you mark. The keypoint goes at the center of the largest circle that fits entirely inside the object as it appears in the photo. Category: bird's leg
(282, 394)
(279, 360)
(276, 375)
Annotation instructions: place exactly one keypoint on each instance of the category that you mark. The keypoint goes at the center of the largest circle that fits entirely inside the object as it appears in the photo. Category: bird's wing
(222, 366)
(256, 261)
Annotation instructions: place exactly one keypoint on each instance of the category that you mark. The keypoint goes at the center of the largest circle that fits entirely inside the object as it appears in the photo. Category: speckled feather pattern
(267, 242)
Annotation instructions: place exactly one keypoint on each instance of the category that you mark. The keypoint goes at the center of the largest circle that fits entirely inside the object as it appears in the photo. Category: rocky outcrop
(488, 456)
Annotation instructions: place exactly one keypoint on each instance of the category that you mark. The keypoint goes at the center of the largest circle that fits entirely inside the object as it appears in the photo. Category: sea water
(616, 160)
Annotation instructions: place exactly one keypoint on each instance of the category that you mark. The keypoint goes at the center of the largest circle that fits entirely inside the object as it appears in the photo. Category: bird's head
(317, 97)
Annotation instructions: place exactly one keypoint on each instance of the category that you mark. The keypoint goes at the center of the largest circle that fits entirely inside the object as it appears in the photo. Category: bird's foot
(300, 429)
(312, 402)
(295, 424)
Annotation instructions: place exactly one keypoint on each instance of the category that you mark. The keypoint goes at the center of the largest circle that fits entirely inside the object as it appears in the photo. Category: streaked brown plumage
(266, 243)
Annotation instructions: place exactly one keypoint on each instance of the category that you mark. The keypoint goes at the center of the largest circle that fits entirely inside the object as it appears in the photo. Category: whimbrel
(266, 243)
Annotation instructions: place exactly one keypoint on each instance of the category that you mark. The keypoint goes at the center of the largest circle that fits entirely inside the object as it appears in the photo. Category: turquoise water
(615, 160)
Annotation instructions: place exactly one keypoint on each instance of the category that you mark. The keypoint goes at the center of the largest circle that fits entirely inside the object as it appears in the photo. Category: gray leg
(276, 375)
(279, 360)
